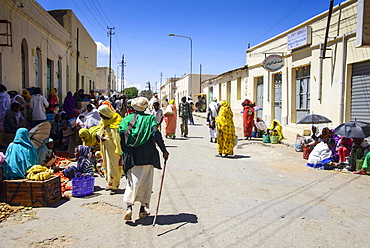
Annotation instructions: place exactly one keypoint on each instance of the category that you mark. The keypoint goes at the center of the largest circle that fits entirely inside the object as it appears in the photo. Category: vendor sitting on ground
(276, 129)
(360, 148)
(46, 154)
(260, 127)
(20, 155)
(321, 156)
(83, 163)
(14, 119)
(344, 148)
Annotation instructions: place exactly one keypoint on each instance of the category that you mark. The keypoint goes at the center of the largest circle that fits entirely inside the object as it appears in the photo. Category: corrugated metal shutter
(360, 97)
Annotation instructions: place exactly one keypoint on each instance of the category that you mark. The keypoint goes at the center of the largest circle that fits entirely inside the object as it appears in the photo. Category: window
(49, 75)
(239, 88)
(38, 68)
(303, 88)
(24, 63)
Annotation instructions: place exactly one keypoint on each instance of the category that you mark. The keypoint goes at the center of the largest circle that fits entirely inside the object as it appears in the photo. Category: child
(99, 167)
(83, 163)
(158, 113)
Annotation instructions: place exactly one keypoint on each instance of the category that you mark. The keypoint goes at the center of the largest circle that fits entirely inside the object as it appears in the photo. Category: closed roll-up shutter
(360, 97)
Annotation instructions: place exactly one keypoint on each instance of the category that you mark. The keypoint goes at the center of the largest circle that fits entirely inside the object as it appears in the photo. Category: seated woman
(83, 164)
(344, 149)
(325, 134)
(89, 118)
(46, 154)
(20, 155)
(261, 127)
(321, 156)
(276, 128)
(358, 151)
(14, 119)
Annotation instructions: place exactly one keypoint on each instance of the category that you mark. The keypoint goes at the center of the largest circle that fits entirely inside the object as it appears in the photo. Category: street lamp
(191, 59)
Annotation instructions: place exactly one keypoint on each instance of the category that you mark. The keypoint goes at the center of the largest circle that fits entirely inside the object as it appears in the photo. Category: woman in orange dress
(170, 120)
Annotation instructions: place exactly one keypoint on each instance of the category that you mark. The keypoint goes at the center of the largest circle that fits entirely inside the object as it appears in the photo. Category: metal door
(360, 95)
(278, 97)
(259, 101)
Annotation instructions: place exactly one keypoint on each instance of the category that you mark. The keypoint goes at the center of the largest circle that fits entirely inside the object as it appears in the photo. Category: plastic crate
(82, 185)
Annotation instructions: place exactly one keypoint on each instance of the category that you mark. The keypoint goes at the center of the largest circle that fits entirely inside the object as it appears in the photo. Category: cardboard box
(26, 192)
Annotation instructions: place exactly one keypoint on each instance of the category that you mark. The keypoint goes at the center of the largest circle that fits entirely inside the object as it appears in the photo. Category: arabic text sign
(273, 63)
(299, 38)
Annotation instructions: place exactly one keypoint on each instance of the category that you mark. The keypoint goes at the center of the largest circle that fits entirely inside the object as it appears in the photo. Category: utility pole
(148, 83)
(122, 64)
(160, 83)
(110, 33)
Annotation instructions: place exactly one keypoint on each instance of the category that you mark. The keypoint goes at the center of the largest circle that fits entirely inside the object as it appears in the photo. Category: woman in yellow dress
(276, 129)
(226, 131)
(110, 146)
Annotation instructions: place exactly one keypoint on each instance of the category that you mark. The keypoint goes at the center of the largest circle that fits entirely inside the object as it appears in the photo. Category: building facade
(102, 78)
(336, 86)
(39, 50)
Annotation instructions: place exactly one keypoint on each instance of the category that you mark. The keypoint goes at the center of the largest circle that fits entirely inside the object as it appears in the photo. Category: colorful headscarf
(109, 105)
(278, 128)
(139, 103)
(20, 156)
(69, 104)
(54, 91)
(113, 122)
(224, 119)
(26, 95)
(88, 136)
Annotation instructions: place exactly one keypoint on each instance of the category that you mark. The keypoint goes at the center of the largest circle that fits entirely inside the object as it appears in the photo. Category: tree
(131, 92)
(147, 93)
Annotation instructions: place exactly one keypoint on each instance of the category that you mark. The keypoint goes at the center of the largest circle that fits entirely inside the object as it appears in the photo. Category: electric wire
(105, 14)
(278, 22)
(98, 12)
(86, 17)
(83, 1)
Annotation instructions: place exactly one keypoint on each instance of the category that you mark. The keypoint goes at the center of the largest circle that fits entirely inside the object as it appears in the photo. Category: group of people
(127, 145)
(326, 150)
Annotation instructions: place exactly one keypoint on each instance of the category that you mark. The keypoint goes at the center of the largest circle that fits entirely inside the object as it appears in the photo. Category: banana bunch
(39, 173)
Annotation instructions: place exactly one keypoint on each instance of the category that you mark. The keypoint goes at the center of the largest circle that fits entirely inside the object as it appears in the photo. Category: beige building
(168, 90)
(229, 86)
(37, 49)
(337, 87)
(185, 88)
(102, 78)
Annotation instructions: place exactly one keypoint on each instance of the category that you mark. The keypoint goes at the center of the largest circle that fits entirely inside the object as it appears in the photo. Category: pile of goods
(5, 211)
(39, 173)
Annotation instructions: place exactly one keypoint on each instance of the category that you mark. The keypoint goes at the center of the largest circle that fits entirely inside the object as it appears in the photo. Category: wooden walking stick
(160, 192)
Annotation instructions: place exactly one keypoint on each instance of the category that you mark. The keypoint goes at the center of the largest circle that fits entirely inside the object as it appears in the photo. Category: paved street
(264, 197)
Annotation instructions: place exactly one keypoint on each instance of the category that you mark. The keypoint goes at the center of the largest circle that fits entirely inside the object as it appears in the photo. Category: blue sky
(220, 30)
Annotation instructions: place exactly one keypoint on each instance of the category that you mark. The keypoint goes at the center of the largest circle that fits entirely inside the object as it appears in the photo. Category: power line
(92, 14)
(278, 22)
(98, 12)
(86, 17)
(104, 13)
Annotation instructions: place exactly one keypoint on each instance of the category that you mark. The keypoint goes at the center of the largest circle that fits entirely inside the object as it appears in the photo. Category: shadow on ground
(166, 220)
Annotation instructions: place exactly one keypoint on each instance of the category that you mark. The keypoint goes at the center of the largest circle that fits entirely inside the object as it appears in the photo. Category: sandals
(361, 172)
(128, 214)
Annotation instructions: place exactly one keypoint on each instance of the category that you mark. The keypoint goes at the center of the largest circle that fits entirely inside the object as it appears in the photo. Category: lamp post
(191, 60)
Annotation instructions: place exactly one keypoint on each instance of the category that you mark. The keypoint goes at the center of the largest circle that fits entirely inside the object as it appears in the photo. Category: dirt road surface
(264, 197)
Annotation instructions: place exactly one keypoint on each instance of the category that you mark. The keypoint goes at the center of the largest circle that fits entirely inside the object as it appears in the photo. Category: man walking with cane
(139, 136)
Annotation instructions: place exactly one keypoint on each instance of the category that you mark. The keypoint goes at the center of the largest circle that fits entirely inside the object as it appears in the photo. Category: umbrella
(353, 129)
(39, 133)
(313, 119)
(256, 108)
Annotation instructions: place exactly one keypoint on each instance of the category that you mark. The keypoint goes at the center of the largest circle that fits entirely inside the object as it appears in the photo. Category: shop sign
(273, 63)
(299, 38)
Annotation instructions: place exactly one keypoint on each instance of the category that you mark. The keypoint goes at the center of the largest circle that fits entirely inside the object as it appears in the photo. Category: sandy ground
(263, 197)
